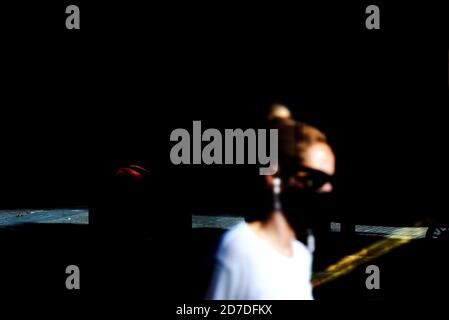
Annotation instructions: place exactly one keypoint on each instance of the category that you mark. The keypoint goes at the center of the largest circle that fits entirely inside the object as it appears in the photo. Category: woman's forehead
(319, 156)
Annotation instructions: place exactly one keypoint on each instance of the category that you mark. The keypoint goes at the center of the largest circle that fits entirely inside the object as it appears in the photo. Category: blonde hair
(294, 139)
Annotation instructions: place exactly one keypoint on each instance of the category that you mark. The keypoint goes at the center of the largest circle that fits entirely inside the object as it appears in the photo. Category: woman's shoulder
(236, 241)
(301, 250)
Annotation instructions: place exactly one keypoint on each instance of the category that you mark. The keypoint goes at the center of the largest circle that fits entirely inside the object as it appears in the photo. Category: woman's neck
(276, 231)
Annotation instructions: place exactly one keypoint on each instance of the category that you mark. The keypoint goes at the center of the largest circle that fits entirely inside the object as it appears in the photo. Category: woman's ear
(269, 181)
(273, 182)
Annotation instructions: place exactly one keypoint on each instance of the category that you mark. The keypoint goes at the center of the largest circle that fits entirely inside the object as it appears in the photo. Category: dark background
(78, 104)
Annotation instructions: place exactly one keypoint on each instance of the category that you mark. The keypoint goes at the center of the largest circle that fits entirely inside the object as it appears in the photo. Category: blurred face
(317, 167)
(306, 196)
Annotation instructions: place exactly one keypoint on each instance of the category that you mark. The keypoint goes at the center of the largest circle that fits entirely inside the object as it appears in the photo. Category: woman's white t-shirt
(249, 268)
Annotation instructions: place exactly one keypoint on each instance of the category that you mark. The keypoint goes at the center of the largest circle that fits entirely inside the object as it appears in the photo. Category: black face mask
(305, 209)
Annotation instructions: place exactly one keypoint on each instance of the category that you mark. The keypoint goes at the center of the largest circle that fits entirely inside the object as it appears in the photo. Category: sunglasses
(310, 179)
